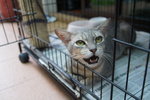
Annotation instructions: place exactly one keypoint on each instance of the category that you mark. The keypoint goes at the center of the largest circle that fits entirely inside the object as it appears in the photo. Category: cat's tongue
(92, 60)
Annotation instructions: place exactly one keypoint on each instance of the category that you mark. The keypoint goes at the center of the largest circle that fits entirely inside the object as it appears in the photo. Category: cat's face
(86, 46)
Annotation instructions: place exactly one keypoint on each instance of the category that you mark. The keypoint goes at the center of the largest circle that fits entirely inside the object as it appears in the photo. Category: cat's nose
(93, 50)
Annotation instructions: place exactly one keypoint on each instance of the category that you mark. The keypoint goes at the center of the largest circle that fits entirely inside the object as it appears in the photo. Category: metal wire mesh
(59, 62)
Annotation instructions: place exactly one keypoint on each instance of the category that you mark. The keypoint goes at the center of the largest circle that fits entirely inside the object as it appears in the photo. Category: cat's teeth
(93, 60)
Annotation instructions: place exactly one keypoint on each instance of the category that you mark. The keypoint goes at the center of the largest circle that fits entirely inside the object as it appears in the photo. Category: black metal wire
(92, 82)
(84, 76)
(71, 67)
(56, 56)
(77, 70)
(145, 76)
(114, 49)
(132, 45)
(145, 72)
(17, 20)
(28, 18)
(101, 89)
(66, 63)
(131, 38)
(53, 61)
(8, 11)
(60, 59)
(35, 30)
(4, 31)
(109, 81)
(53, 55)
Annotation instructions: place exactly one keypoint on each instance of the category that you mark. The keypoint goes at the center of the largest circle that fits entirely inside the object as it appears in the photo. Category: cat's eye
(99, 39)
(80, 43)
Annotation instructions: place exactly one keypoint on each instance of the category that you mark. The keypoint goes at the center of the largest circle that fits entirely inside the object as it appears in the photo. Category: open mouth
(92, 60)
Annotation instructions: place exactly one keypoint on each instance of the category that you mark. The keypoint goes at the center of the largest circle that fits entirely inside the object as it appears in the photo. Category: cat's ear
(63, 35)
(103, 25)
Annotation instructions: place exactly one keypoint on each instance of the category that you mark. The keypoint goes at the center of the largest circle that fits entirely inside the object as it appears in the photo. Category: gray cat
(94, 47)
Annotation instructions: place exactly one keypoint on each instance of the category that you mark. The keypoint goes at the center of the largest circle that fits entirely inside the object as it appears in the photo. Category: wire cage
(130, 73)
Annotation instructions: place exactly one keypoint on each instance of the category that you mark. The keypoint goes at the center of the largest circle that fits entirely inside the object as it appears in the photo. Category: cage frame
(53, 68)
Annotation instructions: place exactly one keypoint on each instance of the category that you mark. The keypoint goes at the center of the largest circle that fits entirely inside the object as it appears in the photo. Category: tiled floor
(25, 81)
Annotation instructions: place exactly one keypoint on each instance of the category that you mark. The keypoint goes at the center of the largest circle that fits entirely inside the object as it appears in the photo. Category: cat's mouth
(92, 60)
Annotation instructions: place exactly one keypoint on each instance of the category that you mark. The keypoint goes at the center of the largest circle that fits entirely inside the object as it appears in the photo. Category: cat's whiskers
(107, 58)
(107, 51)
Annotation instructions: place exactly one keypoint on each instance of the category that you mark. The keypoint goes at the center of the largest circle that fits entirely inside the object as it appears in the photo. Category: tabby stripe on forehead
(85, 35)
(82, 36)
(95, 34)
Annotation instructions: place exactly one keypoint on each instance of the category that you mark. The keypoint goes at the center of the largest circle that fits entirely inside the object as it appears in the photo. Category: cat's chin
(92, 60)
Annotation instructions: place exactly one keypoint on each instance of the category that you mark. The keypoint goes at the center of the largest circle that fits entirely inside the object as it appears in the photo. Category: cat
(94, 48)
(34, 25)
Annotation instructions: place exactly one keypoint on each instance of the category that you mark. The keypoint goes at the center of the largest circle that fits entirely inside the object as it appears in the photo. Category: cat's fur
(103, 50)
(34, 25)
